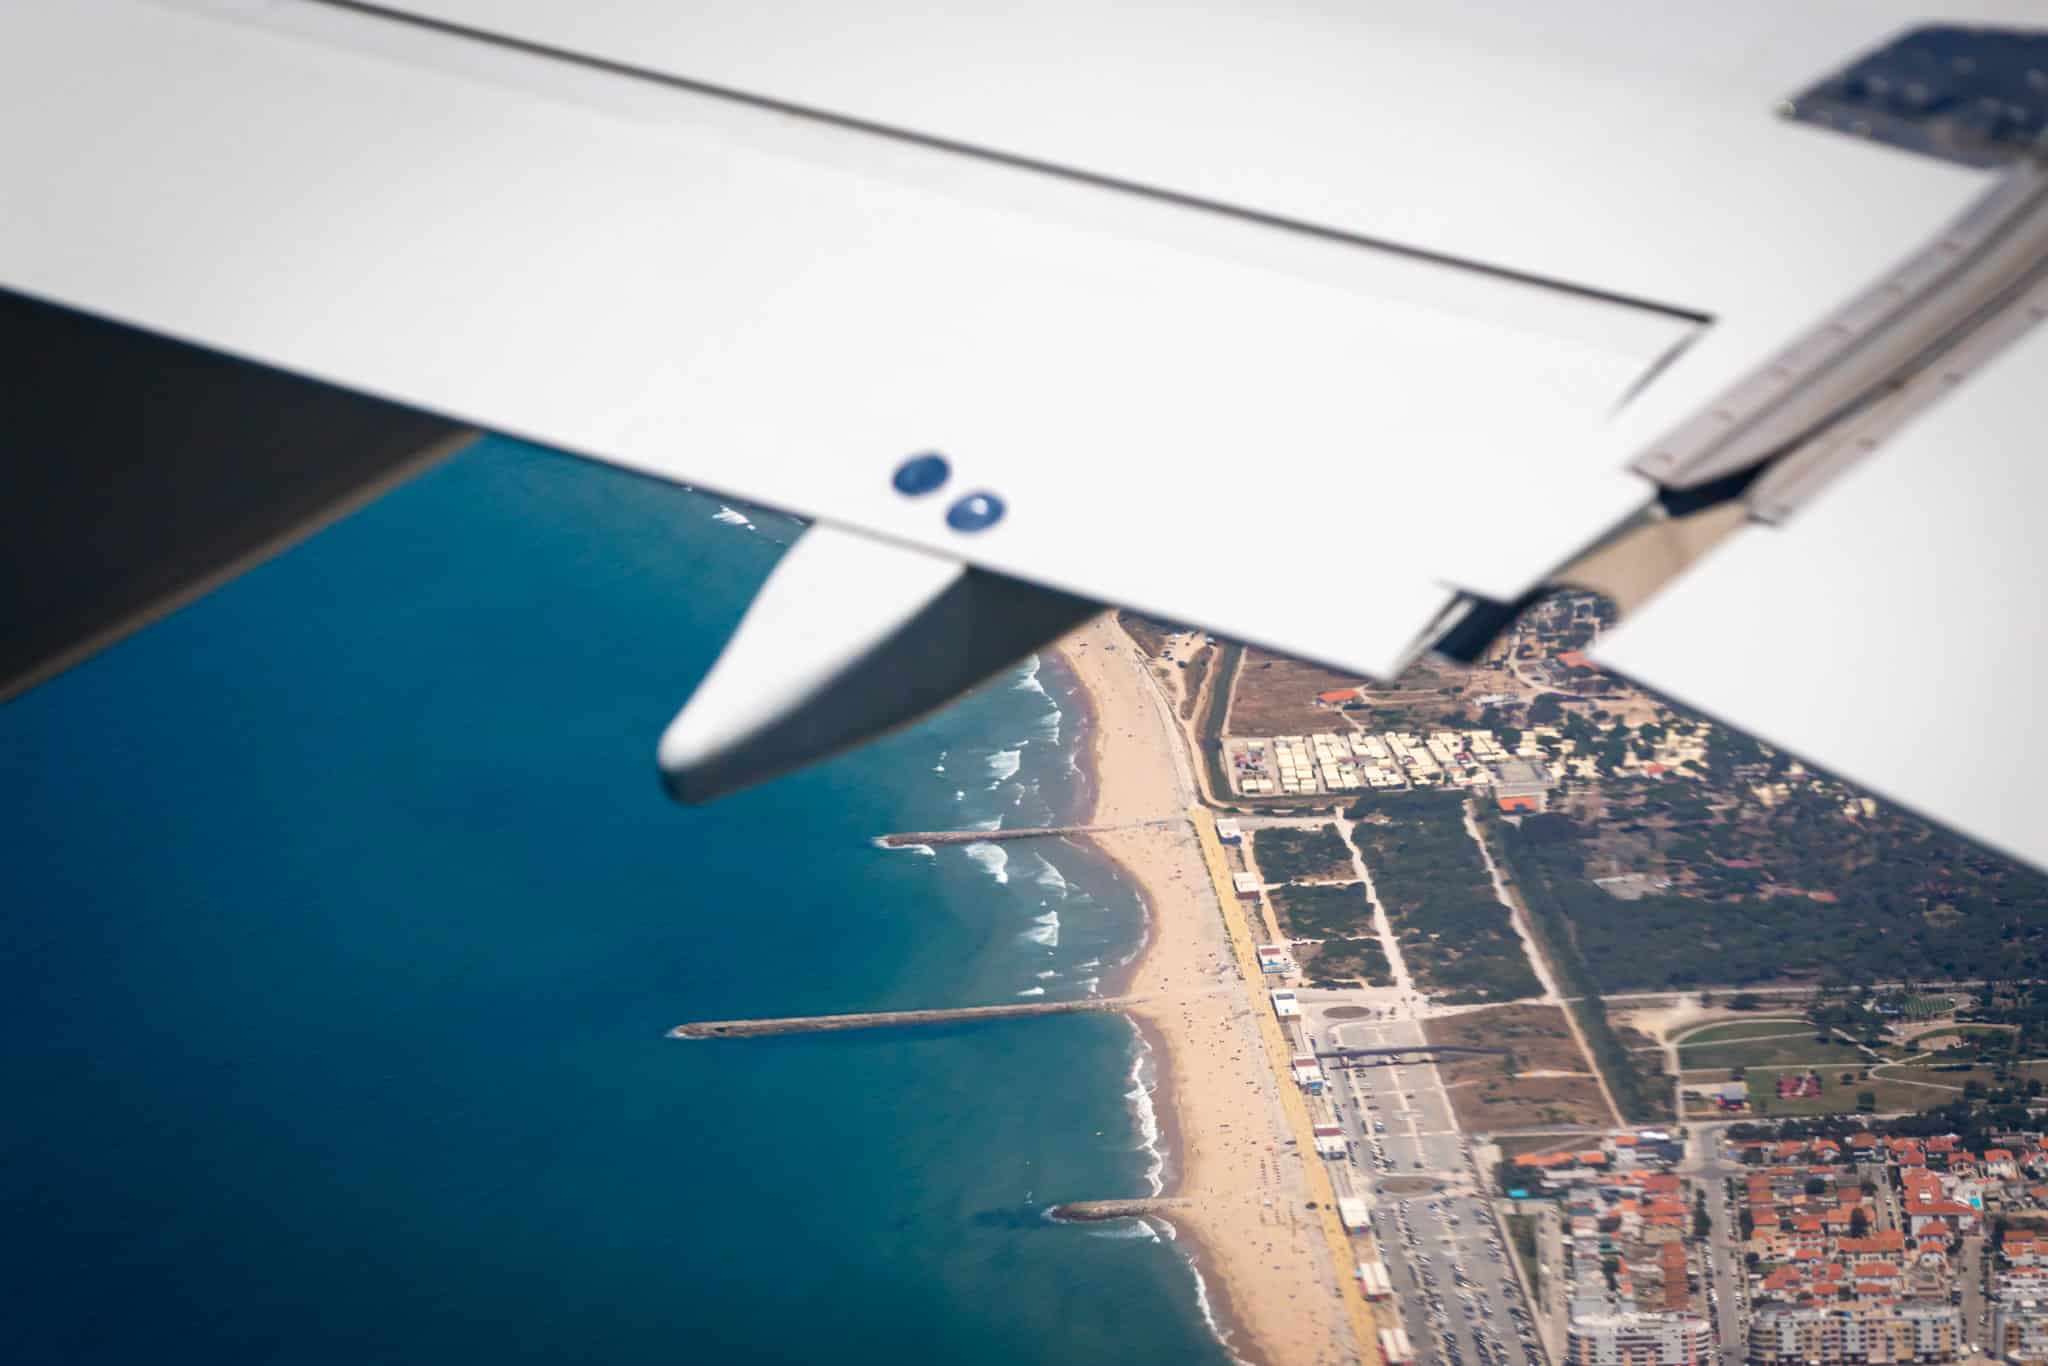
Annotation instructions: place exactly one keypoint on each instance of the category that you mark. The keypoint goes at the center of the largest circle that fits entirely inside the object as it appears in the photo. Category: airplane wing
(1328, 327)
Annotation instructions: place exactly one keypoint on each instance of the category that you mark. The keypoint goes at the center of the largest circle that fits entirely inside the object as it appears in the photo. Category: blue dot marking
(921, 474)
(975, 512)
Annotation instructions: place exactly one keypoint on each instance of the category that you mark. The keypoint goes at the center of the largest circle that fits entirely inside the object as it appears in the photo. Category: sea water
(343, 920)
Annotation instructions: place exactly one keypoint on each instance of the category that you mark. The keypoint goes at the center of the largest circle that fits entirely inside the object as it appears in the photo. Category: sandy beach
(1262, 1253)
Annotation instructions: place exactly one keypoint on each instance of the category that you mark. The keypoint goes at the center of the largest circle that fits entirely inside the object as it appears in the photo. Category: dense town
(1625, 1040)
(1874, 1246)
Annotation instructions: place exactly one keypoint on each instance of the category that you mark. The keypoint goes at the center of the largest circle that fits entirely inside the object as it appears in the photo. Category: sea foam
(1144, 1114)
(1127, 1229)
(1027, 677)
(993, 860)
(1004, 763)
(733, 517)
(1045, 929)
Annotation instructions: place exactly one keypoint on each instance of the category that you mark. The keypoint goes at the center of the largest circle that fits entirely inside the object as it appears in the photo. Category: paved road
(1707, 1163)
(1456, 1290)
(1970, 1271)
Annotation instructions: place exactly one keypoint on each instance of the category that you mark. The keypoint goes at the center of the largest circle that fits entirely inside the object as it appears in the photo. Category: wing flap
(1893, 634)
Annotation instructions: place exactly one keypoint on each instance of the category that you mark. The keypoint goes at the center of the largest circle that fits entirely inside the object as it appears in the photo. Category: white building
(1639, 1339)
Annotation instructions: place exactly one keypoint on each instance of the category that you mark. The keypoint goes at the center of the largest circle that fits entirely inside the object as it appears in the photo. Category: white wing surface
(1894, 633)
(1304, 322)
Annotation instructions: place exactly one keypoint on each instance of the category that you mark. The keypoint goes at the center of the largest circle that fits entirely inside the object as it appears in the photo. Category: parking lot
(1453, 1284)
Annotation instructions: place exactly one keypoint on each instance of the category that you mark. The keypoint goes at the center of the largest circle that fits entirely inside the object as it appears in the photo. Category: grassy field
(1743, 1029)
(1793, 1049)
(1894, 1088)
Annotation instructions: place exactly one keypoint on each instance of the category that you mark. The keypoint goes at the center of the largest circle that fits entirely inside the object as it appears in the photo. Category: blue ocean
(344, 918)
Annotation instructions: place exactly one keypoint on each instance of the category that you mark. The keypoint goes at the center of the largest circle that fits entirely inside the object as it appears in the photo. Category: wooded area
(1455, 935)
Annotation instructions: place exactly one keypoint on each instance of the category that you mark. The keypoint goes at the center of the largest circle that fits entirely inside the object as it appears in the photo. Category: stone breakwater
(886, 1019)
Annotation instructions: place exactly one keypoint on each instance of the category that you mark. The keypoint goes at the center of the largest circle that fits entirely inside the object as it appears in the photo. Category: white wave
(1048, 973)
(1091, 963)
(1032, 991)
(992, 859)
(733, 517)
(1144, 934)
(1027, 677)
(1126, 1229)
(992, 823)
(1209, 1314)
(1049, 727)
(1091, 985)
(1144, 1081)
(938, 768)
(959, 794)
(1004, 763)
(1045, 929)
(1048, 876)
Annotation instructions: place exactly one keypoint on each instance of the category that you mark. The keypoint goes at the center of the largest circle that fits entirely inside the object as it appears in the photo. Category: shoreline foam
(1258, 1256)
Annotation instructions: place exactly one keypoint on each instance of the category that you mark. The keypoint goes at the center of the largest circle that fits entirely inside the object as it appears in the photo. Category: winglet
(850, 637)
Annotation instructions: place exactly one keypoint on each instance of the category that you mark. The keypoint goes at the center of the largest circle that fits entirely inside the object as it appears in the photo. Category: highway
(1456, 1290)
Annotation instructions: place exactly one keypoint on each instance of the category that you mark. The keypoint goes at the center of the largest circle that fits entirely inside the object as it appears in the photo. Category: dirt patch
(1276, 695)
(1538, 1036)
(1409, 1185)
(1349, 1012)
(1542, 1079)
(1646, 1057)
(1485, 1098)
(1512, 1148)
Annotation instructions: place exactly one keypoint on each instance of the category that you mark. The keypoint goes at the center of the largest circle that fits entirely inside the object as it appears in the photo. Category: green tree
(1866, 1101)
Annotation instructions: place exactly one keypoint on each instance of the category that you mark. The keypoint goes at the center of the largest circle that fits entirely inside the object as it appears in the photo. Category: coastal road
(1454, 1287)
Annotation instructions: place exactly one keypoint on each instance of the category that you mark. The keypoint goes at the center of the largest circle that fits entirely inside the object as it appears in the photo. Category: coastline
(1256, 1251)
